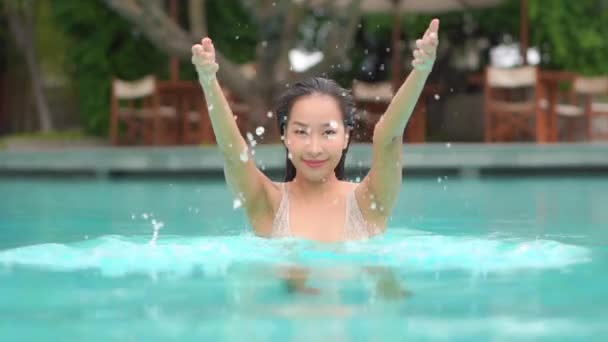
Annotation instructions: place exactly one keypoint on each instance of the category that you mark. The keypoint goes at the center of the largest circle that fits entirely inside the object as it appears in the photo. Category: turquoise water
(491, 259)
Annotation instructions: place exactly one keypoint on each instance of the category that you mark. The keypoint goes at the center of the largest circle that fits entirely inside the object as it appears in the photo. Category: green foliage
(232, 29)
(573, 33)
(102, 45)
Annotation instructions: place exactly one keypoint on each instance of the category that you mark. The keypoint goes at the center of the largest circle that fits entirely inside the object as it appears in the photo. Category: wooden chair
(196, 124)
(188, 99)
(371, 100)
(144, 119)
(512, 104)
(585, 108)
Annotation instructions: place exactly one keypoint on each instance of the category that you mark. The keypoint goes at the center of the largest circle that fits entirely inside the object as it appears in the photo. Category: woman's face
(315, 136)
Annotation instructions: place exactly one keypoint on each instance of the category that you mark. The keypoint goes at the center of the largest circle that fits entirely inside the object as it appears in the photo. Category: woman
(315, 202)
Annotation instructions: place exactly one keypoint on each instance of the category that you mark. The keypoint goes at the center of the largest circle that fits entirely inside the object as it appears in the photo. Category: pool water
(490, 259)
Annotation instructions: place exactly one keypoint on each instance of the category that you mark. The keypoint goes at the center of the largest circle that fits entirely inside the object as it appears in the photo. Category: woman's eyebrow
(327, 124)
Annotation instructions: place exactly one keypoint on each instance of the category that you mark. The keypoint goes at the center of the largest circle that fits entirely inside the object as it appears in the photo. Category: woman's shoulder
(351, 186)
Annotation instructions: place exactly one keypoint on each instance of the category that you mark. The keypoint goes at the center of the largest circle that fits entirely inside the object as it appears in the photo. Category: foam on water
(406, 249)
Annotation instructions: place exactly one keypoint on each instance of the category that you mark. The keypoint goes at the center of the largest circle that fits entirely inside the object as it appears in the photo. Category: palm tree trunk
(21, 26)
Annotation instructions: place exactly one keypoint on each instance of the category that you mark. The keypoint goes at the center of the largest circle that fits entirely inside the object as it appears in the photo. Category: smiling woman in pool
(315, 117)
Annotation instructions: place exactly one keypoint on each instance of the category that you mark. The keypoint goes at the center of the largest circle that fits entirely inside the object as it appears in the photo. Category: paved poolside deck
(419, 159)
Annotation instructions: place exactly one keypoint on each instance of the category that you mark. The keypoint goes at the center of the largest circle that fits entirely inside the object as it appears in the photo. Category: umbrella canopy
(424, 6)
(414, 6)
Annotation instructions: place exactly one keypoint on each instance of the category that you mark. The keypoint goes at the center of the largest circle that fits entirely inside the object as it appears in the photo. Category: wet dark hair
(311, 86)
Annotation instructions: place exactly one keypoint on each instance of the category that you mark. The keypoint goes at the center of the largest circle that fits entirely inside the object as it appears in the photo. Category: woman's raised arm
(243, 177)
(378, 192)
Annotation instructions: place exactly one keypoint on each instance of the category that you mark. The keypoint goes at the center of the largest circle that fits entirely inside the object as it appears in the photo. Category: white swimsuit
(355, 228)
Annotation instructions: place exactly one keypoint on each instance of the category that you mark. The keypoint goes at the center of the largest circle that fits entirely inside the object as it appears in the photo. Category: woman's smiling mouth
(314, 163)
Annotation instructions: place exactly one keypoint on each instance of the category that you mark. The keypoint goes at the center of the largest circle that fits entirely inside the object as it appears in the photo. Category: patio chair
(136, 111)
(196, 124)
(371, 99)
(512, 105)
(585, 108)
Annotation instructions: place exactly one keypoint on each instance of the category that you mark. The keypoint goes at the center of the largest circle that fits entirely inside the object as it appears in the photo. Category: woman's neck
(308, 188)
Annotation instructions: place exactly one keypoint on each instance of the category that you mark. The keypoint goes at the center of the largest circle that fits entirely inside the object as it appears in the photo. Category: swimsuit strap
(356, 226)
(280, 224)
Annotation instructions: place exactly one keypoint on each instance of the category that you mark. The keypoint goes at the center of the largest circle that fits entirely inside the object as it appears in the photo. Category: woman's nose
(315, 145)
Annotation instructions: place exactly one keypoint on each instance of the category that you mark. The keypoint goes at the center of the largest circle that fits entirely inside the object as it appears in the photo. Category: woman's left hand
(426, 48)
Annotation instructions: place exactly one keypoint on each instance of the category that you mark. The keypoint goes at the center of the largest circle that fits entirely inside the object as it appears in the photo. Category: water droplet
(282, 137)
(210, 107)
(448, 145)
(235, 118)
(439, 180)
(290, 156)
(451, 90)
(358, 179)
(237, 203)
(244, 156)
(264, 43)
(237, 37)
(249, 136)
(144, 216)
(86, 237)
(437, 97)
(373, 206)
(366, 51)
(377, 98)
(259, 131)
(157, 224)
(359, 163)
(382, 67)
(253, 143)
(388, 49)
(269, 114)
(132, 216)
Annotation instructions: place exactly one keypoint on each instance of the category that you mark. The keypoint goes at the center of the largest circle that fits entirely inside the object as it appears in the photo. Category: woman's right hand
(203, 58)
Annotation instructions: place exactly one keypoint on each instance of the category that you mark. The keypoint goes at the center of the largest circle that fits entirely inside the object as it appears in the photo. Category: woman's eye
(330, 132)
(300, 131)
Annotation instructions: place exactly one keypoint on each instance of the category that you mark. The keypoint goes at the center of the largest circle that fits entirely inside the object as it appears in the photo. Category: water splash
(405, 249)
(156, 226)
